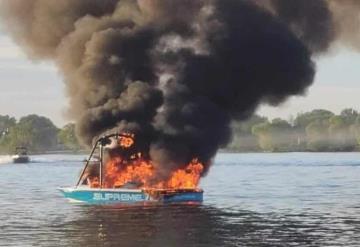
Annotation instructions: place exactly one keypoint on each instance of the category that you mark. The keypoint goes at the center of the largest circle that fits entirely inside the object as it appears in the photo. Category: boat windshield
(108, 154)
(21, 151)
(90, 176)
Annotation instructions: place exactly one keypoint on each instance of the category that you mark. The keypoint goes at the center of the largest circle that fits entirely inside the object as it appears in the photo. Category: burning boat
(116, 173)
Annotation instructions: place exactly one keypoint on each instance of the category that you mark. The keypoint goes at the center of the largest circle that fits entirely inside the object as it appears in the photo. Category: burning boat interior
(116, 162)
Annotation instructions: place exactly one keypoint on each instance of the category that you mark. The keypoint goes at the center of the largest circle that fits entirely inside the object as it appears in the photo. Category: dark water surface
(296, 199)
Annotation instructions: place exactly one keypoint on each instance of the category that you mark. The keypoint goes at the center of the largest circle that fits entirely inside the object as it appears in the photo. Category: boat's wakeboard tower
(111, 141)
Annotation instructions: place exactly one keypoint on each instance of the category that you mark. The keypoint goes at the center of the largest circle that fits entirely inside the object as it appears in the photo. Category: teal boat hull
(121, 196)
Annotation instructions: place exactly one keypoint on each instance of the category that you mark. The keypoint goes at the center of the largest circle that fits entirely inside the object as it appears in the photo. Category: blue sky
(27, 87)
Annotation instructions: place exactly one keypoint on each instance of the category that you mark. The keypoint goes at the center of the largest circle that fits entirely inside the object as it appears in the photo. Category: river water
(289, 199)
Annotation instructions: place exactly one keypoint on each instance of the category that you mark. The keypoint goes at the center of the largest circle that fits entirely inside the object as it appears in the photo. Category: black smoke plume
(177, 72)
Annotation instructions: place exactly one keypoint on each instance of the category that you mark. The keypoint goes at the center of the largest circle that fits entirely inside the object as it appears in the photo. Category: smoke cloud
(176, 72)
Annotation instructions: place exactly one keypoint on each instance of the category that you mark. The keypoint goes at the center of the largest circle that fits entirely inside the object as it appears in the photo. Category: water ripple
(250, 200)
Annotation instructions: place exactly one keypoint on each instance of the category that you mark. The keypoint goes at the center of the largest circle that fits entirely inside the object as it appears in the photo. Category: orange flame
(126, 140)
(119, 172)
(141, 174)
(187, 178)
(94, 182)
(136, 172)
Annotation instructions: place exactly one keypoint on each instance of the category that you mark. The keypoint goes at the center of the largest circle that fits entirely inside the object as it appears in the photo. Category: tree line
(317, 131)
(37, 133)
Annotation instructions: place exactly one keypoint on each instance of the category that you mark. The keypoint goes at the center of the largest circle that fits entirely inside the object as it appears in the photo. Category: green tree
(355, 130)
(262, 131)
(305, 125)
(317, 133)
(276, 135)
(6, 123)
(243, 138)
(35, 132)
(67, 137)
(349, 115)
(340, 136)
(304, 119)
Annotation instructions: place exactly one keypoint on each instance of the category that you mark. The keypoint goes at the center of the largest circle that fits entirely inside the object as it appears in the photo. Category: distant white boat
(21, 155)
